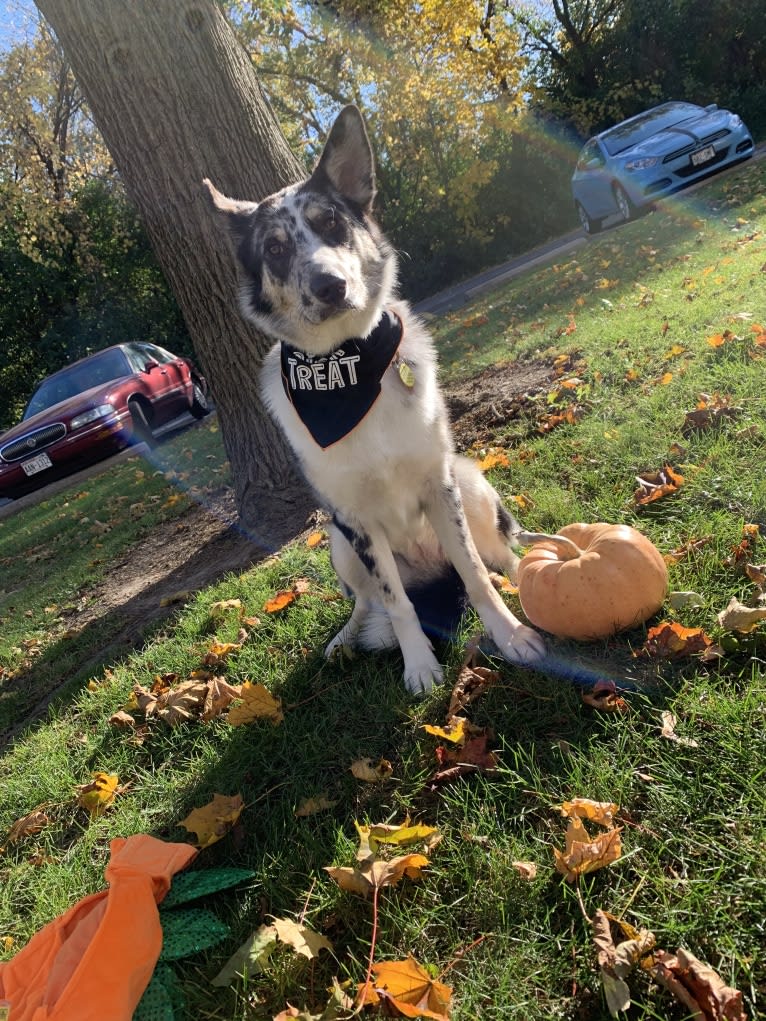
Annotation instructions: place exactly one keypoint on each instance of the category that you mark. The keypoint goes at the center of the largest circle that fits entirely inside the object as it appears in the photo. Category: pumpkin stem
(567, 549)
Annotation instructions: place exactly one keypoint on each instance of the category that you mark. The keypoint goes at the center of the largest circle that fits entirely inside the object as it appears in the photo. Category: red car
(95, 407)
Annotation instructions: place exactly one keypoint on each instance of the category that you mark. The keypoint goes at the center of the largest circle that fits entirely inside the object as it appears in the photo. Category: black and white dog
(352, 382)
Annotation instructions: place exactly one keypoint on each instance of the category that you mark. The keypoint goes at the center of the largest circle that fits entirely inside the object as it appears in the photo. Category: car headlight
(735, 120)
(91, 416)
(643, 164)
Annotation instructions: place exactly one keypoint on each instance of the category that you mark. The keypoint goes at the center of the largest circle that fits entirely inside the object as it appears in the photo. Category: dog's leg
(374, 578)
(516, 642)
(493, 527)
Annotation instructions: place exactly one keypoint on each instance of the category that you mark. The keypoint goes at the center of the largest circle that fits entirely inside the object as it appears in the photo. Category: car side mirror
(151, 363)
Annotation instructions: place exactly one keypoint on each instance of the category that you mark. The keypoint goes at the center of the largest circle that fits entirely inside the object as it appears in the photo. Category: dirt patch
(481, 406)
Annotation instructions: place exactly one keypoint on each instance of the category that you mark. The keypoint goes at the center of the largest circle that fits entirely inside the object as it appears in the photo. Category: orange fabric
(95, 961)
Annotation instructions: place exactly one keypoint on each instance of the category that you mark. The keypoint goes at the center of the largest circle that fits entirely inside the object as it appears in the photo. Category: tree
(177, 100)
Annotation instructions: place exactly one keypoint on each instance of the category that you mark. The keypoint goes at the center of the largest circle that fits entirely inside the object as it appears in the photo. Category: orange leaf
(670, 640)
(279, 601)
(407, 988)
(314, 539)
(493, 459)
(585, 854)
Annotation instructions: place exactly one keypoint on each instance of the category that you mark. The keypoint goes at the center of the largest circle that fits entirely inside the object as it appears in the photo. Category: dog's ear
(346, 161)
(237, 216)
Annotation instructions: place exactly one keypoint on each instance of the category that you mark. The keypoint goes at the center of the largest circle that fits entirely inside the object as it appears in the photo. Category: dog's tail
(440, 602)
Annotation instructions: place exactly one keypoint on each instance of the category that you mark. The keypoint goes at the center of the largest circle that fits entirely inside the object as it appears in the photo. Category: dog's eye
(275, 248)
(330, 223)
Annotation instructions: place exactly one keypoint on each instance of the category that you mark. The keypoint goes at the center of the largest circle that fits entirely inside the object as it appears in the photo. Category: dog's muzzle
(330, 290)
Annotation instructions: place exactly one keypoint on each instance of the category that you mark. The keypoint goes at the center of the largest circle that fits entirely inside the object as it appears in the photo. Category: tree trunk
(176, 99)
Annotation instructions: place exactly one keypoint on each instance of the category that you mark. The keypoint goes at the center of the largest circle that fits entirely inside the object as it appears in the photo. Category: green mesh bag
(190, 931)
(188, 886)
(162, 997)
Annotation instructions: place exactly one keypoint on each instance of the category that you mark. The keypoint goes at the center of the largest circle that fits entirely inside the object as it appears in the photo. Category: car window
(141, 353)
(97, 370)
(635, 130)
(590, 155)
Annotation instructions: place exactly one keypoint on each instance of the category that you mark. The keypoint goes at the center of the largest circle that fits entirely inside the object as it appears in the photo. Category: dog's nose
(330, 290)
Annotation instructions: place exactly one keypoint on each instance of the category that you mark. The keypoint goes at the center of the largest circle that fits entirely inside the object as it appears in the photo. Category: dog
(352, 382)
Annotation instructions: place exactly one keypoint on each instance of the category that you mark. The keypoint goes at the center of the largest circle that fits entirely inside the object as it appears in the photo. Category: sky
(15, 17)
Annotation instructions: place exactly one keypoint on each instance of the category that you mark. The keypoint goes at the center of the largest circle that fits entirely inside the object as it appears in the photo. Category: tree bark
(176, 99)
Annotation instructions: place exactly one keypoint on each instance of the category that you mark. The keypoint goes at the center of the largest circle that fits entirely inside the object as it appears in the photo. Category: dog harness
(332, 393)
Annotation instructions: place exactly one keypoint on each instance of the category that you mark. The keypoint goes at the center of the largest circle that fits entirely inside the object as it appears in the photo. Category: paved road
(460, 294)
(452, 298)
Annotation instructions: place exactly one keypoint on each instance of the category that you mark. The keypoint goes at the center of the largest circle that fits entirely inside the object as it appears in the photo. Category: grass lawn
(639, 327)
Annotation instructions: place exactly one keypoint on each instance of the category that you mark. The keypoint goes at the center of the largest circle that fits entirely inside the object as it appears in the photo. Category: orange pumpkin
(591, 581)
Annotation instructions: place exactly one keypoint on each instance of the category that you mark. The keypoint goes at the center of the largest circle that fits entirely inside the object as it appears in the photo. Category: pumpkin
(590, 581)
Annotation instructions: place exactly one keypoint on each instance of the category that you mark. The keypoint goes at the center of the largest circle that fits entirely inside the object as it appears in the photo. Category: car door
(167, 380)
(591, 183)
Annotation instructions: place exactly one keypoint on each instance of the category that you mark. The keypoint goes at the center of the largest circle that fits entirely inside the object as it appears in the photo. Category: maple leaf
(601, 812)
(213, 821)
(377, 873)
(697, 986)
(616, 961)
(371, 772)
(98, 795)
(219, 696)
(30, 823)
(250, 958)
(671, 640)
(710, 411)
(218, 653)
(301, 938)
(406, 989)
(257, 703)
(180, 703)
(654, 485)
(453, 732)
(738, 617)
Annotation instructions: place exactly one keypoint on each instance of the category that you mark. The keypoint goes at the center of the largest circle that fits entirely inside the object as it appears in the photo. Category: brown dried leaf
(654, 485)
(311, 806)
(670, 640)
(33, 822)
(526, 869)
(371, 772)
(301, 938)
(584, 854)
(603, 696)
(697, 986)
(669, 731)
(471, 683)
(219, 696)
(738, 617)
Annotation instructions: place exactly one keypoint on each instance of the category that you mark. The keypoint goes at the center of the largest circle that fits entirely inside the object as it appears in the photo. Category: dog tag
(406, 374)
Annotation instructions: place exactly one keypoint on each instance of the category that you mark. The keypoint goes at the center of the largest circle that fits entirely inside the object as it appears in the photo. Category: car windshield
(96, 371)
(625, 136)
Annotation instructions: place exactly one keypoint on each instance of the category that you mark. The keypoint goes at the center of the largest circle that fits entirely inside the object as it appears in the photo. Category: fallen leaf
(584, 854)
(222, 607)
(213, 821)
(670, 640)
(697, 986)
(601, 812)
(378, 873)
(526, 869)
(366, 770)
(685, 600)
(472, 682)
(301, 938)
(493, 458)
(249, 959)
(122, 719)
(407, 989)
(257, 703)
(98, 795)
(668, 731)
(175, 597)
(218, 652)
(279, 601)
(219, 696)
(311, 806)
(654, 485)
(453, 732)
(29, 824)
(738, 617)
(314, 539)
(603, 696)
(180, 703)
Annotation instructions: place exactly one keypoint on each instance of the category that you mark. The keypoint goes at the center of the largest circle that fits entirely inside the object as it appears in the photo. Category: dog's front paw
(342, 646)
(420, 676)
(524, 646)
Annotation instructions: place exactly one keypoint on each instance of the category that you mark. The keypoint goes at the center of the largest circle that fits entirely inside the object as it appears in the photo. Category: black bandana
(332, 393)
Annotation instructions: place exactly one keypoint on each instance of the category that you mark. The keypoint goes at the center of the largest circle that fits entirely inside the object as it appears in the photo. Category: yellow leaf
(583, 854)
(301, 938)
(526, 869)
(454, 733)
(601, 812)
(99, 794)
(314, 539)
(213, 821)
(738, 617)
(370, 772)
(257, 703)
(310, 806)
(221, 608)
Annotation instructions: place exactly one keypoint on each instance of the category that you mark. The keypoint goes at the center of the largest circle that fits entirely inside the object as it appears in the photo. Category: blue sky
(15, 18)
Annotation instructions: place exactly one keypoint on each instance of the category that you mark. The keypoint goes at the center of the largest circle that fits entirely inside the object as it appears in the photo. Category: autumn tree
(176, 99)
(440, 88)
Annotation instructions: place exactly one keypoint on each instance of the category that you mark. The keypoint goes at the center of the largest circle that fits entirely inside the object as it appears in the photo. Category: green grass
(694, 818)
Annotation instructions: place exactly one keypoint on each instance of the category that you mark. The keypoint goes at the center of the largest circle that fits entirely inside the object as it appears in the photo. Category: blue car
(652, 154)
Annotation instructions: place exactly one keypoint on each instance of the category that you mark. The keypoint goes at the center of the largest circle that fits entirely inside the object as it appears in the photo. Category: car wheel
(142, 431)
(589, 225)
(200, 406)
(624, 205)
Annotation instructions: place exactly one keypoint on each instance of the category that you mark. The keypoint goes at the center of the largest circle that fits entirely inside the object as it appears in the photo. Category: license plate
(36, 464)
(703, 155)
